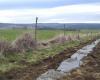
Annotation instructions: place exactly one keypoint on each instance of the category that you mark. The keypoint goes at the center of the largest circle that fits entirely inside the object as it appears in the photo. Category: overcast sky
(50, 11)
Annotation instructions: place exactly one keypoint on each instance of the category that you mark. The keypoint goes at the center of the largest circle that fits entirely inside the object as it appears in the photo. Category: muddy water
(67, 65)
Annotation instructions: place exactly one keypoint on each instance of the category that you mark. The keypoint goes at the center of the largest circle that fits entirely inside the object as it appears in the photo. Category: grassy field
(12, 34)
(14, 60)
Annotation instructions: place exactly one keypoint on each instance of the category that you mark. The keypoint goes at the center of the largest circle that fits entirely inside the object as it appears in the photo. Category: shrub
(60, 39)
(24, 43)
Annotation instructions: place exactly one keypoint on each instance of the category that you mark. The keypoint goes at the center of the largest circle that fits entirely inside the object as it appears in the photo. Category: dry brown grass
(21, 45)
(24, 43)
(5, 47)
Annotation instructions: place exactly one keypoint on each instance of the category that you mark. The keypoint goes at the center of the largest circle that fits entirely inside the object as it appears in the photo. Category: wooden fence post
(36, 30)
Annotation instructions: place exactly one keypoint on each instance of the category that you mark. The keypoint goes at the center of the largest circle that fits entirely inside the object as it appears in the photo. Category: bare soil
(31, 72)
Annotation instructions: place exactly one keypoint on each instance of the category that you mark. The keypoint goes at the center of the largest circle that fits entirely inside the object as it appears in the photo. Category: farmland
(49, 39)
(12, 34)
(22, 60)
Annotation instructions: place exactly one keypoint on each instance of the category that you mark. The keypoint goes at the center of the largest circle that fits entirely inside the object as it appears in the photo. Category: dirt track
(90, 70)
(33, 71)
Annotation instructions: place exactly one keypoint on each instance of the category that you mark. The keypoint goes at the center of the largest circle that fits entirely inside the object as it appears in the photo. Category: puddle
(69, 64)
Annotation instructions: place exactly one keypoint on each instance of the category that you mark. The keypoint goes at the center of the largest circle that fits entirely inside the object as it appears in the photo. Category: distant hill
(9, 25)
(53, 25)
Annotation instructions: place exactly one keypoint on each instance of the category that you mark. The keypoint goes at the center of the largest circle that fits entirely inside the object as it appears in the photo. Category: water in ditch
(69, 64)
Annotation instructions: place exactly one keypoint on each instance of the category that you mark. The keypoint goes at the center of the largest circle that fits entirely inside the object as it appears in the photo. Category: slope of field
(19, 60)
(31, 72)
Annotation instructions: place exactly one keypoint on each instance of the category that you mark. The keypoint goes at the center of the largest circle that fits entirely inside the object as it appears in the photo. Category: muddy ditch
(90, 70)
(74, 62)
(31, 72)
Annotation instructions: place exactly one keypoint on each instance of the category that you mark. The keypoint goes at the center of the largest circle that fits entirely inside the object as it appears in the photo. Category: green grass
(44, 53)
(34, 56)
(12, 34)
(47, 34)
